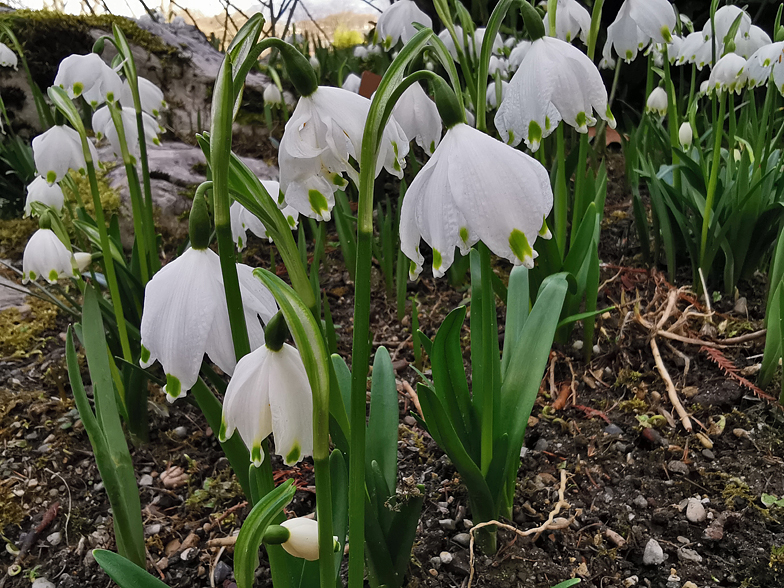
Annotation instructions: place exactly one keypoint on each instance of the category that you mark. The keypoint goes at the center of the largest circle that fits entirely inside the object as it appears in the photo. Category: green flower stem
(762, 129)
(487, 311)
(561, 204)
(731, 134)
(580, 203)
(672, 120)
(593, 34)
(133, 188)
(718, 127)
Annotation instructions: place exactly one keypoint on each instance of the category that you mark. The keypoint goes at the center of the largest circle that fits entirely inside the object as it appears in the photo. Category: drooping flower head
(765, 60)
(638, 23)
(474, 188)
(88, 76)
(150, 96)
(728, 74)
(685, 135)
(555, 82)
(45, 256)
(58, 150)
(572, 20)
(103, 125)
(7, 57)
(418, 116)
(243, 220)
(323, 134)
(40, 191)
(657, 101)
(396, 23)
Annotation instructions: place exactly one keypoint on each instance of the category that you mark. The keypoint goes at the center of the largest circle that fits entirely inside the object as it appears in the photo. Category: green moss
(110, 199)
(14, 234)
(20, 336)
(214, 492)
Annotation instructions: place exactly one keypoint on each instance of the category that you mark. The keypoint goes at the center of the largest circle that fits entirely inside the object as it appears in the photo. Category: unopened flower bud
(657, 102)
(685, 135)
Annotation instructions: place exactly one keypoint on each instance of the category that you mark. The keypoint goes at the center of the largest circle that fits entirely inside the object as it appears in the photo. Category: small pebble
(54, 538)
(686, 554)
(541, 444)
(695, 512)
(181, 432)
(462, 539)
(708, 454)
(221, 572)
(689, 584)
(613, 429)
(641, 502)
(467, 524)
(145, 480)
(45, 448)
(577, 345)
(653, 554)
(678, 467)
(435, 561)
(152, 529)
(409, 420)
(447, 524)
(631, 581)
(42, 583)
(445, 557)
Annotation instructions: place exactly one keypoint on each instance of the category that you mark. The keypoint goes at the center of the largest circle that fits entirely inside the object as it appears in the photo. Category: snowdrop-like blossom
(475, 188)
(396, 23)
(728, 74)
(185, 316)
(150, 96)
(638, 23)
(82, 260)
(498, 64)
(703, 88)
(695, 49)
(571, 20)
(518, 54)
(361, 52)
(243, 220)
(7, 57)
(324, 131)
(40, 191)
(303, 538)
(686, 22)
(491, 97)
(103, 125)
(352, 83)
(58, 150)
(272, 95)
(765, 59)
(748, 44)
(657, 101)
(46, 257)
(685, 135)
(556, 81)
(314, 62)
(723, 20)
(270, 393)
(418, 116)
(474, 43)
(88, 76)
(479, 38)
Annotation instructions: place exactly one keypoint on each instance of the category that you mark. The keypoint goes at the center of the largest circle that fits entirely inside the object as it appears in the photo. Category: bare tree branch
(313, 20)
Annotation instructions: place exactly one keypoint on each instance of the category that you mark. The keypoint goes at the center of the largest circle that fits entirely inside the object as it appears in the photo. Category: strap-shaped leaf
(381, 439)
(246, 552)
(517, 307)
(125, 573)
(339, 477)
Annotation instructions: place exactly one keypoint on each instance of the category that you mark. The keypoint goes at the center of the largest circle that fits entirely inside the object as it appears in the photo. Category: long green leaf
(517, 307)
(381, 439)
(125, 573)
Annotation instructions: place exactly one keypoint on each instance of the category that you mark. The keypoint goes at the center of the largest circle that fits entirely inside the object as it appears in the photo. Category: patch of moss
(11, 512)
(14, 233)
(214, 492)
(20, 336)
(633, 405)
(110, 199)
(628, 378)
(47, 37)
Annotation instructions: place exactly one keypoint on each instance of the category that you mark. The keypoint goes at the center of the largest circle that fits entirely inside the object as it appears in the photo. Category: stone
(221, 572)
(55, 538)
(641, 502)
(447, 524)
(541, 444)
(678, 467)
(181, 432)
(153, 529)
(631, 581)
(653, 554)
(42, 583)
(613, 429)
(462, 539)
(445, 557)
(708, 454)
(742, 306)
(690, 555)
(10, 295)
(145, 480)
(689, 584)
(695, 511)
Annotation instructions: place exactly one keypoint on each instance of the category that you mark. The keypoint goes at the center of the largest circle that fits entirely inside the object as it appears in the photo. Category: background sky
(318, 8)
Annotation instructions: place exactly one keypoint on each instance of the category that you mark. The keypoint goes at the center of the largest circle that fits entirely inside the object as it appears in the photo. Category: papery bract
(474, 188)
(323, 133)
(396, 23)
(40, 191)
(185, 316)
(270, 393)
(555, 82)
(45, 256)
(418, 116)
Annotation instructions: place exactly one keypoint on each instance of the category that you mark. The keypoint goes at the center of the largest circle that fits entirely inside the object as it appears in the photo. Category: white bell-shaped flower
(396, 23)
(88, 76)
(7, 57)
(685, 135)
(361, 52)
(185, 316)
(150, 96)
(270, 393)
(518, 54)
(572, 20)
(103, 125)
(624, 36)
(303, 540)
(479, 38)
(469, 44)
(418, 116)
(82, 260)
(58, 150)
(657, 101)
(272, 95)
(723, 20)
(352, 83)
(46, 257)
(748, 44)
(638, 23)
(766, 59)
(40, 191)
(695, 49)
(323, 133)
(243, 220)
(474, 188)
(728, 74)
(491, 97)
(556, 81)
(498, 65)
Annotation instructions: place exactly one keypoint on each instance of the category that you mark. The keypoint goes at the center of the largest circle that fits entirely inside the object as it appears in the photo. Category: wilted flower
(7, 57)
(88, 76)
(352, 83)
(396, 23)
(418, 116)
(324, 131)
(555, 82)
(150, 96)
(40, 191)
(185, 316)
(474, 188)
(270, 393)
(657, 101)
(58, 150)
(272, 95)
(571, 20)
(45, 256)
(685, 135)
(728, 74)
(103, 125)
(243, 220)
